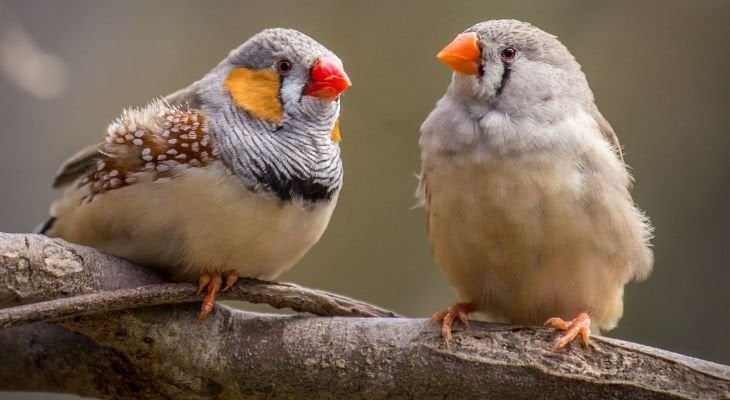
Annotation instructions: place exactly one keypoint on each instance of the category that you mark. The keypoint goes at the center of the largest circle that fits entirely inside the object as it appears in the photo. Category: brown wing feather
(609, 134)
(85, 160)
(154, 141)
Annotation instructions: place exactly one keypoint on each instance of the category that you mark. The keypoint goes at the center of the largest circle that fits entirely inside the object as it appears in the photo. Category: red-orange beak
(327, 80)
(462, 54)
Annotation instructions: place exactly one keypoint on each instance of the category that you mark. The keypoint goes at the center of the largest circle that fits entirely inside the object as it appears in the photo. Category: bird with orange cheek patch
(525, 188)
(235, 175)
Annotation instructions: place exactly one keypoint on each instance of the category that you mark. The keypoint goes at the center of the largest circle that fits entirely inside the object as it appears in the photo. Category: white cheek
(492, 78)
(291, 91)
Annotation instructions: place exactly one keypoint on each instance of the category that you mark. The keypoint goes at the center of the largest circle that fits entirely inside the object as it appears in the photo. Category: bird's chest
(501, 217)
(203, 220)
(258, 234)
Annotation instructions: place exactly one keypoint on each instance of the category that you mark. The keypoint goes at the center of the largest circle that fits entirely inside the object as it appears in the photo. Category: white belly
(200, 221)
(528, 241)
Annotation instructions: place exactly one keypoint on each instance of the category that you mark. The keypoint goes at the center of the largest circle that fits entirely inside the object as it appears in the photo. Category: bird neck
(293, 160)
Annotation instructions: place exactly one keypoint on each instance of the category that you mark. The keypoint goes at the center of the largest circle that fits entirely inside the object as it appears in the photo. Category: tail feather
(45, 226)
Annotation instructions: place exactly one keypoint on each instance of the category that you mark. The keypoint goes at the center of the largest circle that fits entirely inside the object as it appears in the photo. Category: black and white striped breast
(294, 160)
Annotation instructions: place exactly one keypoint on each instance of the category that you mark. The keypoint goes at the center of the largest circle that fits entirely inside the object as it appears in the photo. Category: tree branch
(157, 352)
(277, 295)
(38, 269)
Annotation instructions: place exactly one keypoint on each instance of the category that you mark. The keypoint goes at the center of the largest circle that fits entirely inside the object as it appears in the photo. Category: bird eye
(508, 54)
(283, 67)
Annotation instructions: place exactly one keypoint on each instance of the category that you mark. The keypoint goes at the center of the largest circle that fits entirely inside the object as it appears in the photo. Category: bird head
(513, 66)
(273, 106)
(278, 76)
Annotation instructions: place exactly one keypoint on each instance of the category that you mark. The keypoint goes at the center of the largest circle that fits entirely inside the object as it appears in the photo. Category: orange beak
(327, 79)
(462, 54)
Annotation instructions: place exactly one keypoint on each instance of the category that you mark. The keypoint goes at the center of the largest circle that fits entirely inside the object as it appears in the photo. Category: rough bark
(47, 279)
(159, 352)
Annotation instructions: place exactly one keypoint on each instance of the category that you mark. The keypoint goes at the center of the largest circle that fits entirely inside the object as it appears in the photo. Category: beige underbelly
(201, 221)
(518, 241)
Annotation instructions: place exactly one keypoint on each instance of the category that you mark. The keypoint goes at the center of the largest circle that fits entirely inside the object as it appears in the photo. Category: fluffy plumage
(525, 189)
(237, 174)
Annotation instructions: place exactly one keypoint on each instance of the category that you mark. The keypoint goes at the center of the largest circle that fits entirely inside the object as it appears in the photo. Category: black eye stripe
(507, 55)
(505, 77)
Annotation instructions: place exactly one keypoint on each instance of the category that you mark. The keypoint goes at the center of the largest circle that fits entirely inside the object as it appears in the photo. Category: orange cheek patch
(256, 91)
(335, 134)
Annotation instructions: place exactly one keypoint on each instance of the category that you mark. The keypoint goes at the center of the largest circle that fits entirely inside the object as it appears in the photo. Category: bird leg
(458, 311)
(212, 283)
(581, 324)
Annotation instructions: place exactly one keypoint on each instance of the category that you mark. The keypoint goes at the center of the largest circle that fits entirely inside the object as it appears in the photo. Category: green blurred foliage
(659, 70)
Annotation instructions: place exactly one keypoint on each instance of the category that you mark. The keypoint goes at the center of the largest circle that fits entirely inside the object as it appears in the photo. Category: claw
(230, 278)
(213, 285)
(581, 324)
(202, 283)
(462, 316)
(458, 311)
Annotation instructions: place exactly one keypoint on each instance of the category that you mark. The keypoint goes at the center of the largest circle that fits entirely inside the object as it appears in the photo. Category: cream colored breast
(516, 238)
(202, 220)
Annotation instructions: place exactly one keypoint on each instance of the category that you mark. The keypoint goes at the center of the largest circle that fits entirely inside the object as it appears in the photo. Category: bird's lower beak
(462, 54)
(327, 79)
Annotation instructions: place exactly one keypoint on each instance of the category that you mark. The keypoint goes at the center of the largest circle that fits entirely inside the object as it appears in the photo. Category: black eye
(508, 54)
(283, 67)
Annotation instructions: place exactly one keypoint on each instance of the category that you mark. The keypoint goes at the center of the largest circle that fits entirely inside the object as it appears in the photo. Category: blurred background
(659, 70)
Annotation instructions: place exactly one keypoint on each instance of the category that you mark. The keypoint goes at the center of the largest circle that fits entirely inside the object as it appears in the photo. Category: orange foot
(581, 324)
(212, 284)
(458, 311)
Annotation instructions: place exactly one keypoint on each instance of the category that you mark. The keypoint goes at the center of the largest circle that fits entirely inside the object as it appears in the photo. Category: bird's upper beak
(327, 79)
(462, 54)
